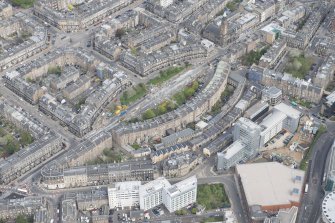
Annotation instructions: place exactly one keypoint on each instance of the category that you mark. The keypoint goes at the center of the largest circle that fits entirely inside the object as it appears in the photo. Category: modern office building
(245, 146)
(181, 194)
(248, 133)
(257, 110)
(271, 126)
(124, 194)
(292, 116)
(174, 197)
(231, 156)
(151, 194)
(250, 138)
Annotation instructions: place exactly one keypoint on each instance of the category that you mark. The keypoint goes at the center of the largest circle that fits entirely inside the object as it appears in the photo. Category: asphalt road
(309, 211)
(33, 110)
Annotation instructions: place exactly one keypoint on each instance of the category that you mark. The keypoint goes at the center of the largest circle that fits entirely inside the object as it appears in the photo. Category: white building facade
(124, 194)
(174, 197)
(151, 194)
(272, 125)
(181, 194)
(250, 137)
(165, 3)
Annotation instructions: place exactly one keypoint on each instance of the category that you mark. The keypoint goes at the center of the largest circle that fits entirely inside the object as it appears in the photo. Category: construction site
(289, 148)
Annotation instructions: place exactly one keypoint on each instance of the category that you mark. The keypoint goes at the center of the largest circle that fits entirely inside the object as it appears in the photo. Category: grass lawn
(137, 92)
(135, 146)
(212, 196)
(298, 66)
(308, 153)
(166, 75)
(213, 219)
(170, 105)
(140, 90)
(232, 5)
(23, 3)
(109, 156)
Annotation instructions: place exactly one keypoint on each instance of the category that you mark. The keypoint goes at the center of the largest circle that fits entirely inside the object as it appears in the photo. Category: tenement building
(11, 208)
(82, 16)
(291, 86)
(69, 85)
(146, 63)
(31, 38)
(28, 158)
(54, 176)
(189, 112)
(301, 38)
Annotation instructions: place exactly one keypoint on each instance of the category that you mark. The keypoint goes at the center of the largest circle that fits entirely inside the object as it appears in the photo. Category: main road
(310, 208)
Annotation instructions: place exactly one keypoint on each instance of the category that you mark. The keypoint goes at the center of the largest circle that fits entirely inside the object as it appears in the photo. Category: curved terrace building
(193, 109)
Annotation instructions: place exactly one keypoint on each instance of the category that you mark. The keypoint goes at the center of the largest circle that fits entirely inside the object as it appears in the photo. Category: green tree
(148, 114)
(11, 148)
(133, 51)
(141, 85)
(170, 106)
(194, 211)
(125, 95)
(162, 109)
(188, 92)
(120, 32)
(22, 219)
(26, 138)
(179, 98)
(181, 212)
(23, 3)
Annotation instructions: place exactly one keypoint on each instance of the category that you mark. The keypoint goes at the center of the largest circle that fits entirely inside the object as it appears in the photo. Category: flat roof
(273, 91)
(288, 110)
(248, 124)
(125, 186)
(154, 186)
(233, 149)
(183, 186)
(272, 119)
(256, 109)
(270, 183)
(273, 28)
(331, 98)
(201, 124)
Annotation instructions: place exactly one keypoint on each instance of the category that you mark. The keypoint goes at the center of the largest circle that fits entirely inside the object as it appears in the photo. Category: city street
(310, 210)
(129, 43)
